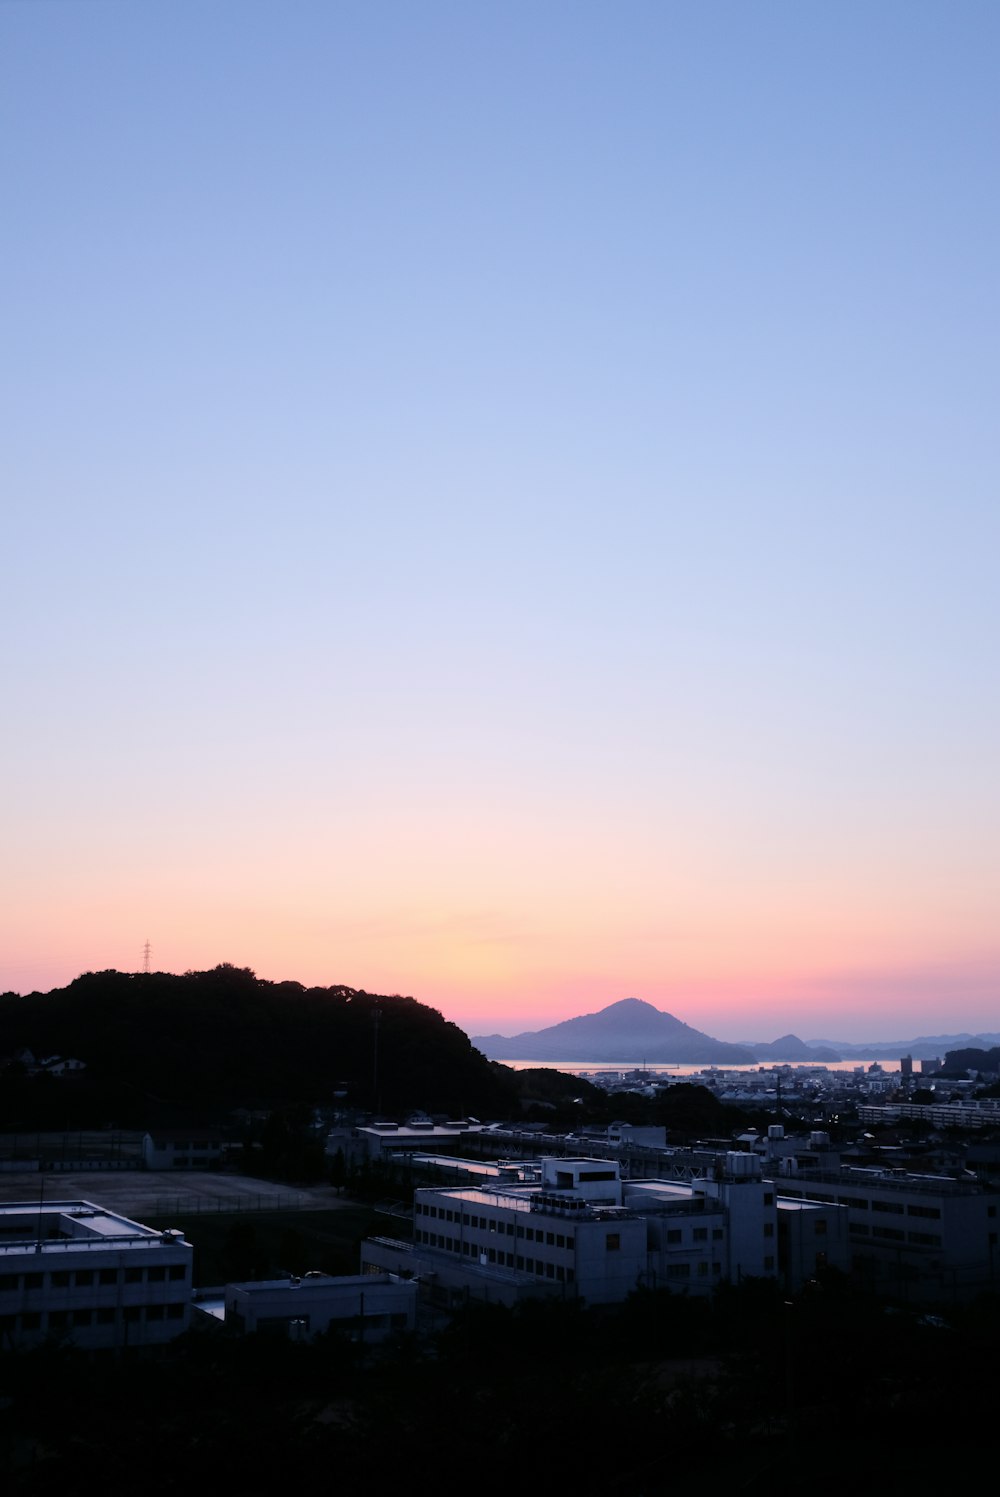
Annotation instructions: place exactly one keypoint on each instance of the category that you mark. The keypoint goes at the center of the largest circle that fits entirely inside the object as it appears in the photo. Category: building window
(674, 1235)
(701, 1234)
(108, 1276)
(613, 1242)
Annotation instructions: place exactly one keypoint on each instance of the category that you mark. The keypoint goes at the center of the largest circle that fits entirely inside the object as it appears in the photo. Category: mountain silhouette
(630, 1029)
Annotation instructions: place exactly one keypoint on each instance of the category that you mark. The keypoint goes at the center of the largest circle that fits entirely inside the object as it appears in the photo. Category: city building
(69, 1269)
(367, 1307)
(912, 1236)
(575, 1228)
(198, 1149)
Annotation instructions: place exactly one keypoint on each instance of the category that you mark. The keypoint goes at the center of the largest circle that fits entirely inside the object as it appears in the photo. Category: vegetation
(958, 1062)
(630, 1399)
(212, 1041)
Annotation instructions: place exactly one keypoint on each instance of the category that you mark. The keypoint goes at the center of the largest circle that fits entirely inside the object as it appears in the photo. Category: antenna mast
(145, 957)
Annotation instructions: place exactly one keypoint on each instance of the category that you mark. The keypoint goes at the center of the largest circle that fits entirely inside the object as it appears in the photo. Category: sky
(501, 503)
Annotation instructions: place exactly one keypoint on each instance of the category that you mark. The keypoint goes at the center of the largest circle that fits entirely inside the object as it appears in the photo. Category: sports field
(145, 1194)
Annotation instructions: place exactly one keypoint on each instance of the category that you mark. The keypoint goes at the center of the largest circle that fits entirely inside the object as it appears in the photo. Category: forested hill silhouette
(227, 1038)
(628, 1030)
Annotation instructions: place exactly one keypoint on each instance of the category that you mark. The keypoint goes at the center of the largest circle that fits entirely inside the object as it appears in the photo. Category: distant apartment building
(983, 1112)
(69, 1269)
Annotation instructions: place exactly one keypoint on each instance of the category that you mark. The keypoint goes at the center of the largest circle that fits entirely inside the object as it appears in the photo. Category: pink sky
(484, 523)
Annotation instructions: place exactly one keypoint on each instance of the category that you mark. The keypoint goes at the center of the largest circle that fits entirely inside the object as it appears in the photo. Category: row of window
(498, 1228)
(68, 1320)
(700, 1234)
(181, 1144)
(87, 1278)
(893, 1208)
(896, 1234)
(494, 1225)
(500, 1257)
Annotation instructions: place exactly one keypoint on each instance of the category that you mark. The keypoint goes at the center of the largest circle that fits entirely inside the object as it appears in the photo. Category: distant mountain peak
(629, 1029)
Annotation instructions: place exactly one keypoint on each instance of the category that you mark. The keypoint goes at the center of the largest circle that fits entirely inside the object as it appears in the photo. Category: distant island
(634, 1030)
(628, 1029)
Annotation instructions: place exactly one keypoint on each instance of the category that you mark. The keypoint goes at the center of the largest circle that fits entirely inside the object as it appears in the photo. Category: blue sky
(502, 502)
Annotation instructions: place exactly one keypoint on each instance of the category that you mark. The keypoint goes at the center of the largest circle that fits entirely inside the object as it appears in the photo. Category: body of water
(591, 1068)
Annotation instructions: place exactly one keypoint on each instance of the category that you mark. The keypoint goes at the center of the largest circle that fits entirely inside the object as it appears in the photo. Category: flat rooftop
(61, 1226)
(538, 1200)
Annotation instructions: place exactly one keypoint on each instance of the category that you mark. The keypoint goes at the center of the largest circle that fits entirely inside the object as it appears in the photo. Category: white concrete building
(367, 1307)
(927, 1236)
(197, 1149)
(573, 1227)
(567, 1234)
(71, 1269)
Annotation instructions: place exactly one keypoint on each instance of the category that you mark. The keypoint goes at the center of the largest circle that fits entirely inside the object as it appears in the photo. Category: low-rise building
(188, 1149)
(575, 1228)
(69, 1269)
(920, 1236)
(366, 1307)
(565, 1232)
